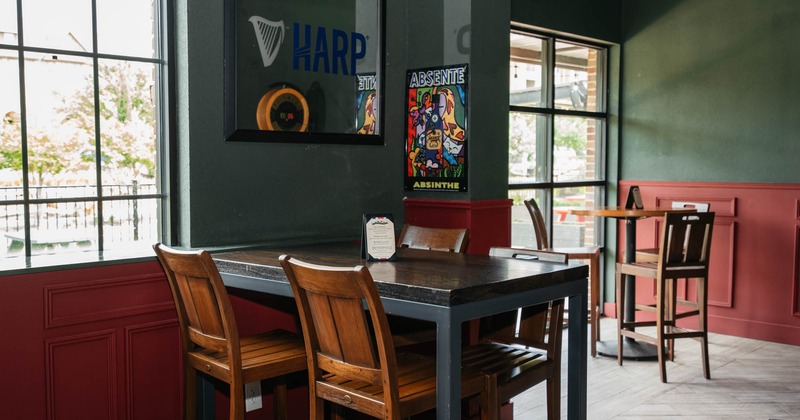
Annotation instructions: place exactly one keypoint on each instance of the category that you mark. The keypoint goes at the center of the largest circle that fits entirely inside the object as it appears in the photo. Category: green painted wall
(244, 193)
(597, 19)
(711, 91)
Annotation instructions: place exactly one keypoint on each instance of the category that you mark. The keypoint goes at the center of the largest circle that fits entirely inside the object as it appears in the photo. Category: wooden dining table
(632, 349)
(446, 288)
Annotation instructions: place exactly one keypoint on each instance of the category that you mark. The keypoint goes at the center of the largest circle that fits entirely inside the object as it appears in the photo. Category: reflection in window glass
(577, 72)
(556, 136)
(63, 227)
(575, 145)
(64, 25)
(86, 113)
(526, 75)
(568, 230)
(130, 224)
(527, 151)
(125, 28)
(8, 22)
(60, 121)
(10, 130)
(128, 140)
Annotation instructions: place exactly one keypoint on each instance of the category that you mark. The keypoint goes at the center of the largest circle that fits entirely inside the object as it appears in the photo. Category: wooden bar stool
(352, 361)
(589, 253)
(435, 239)
(684, 254)
(522, 348)
(211, 342)
(651, 254)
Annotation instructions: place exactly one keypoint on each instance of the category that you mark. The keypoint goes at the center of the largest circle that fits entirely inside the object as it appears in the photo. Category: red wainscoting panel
(754, 286)
(489, 221)
(90, 343)
(81, 376)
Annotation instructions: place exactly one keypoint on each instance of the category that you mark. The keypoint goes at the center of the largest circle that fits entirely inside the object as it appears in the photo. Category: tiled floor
(750, 379)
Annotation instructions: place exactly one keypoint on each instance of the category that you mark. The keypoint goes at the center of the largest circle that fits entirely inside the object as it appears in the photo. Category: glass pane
(526, 75)
(576, 143)
(60, 24)
(8, 22)
(522, 233)
(570, 230)
(578, 77)
(527, 148)
(62, 227)
(130, 225)
(60, 121)
(127, 123)
(12, 222)
(10, 126)
(125, 27)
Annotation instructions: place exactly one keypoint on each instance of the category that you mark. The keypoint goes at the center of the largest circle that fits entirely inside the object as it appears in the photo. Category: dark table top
(435, 277)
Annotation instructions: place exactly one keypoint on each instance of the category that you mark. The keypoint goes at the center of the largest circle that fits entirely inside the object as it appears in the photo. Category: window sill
(71, 260)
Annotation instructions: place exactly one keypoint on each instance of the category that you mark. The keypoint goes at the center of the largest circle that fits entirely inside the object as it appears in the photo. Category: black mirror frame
(232, 133)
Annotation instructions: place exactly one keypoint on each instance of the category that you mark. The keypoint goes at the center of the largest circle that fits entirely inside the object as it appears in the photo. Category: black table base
(632, 350)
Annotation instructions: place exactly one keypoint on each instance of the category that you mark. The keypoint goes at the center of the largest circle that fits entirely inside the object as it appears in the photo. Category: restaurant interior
(701, 98)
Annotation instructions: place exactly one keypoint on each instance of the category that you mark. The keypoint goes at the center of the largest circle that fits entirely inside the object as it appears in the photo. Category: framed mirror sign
(304, 71)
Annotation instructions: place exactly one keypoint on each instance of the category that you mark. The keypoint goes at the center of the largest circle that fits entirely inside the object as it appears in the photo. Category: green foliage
(68, 143)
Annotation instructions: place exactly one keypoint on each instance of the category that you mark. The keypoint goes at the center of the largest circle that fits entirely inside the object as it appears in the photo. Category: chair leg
(490, 407)
(237, 401)
(620, 313)
(670, 319)
(190, 392)
(702, 291)
(661, 308)
(279, 397)
(554, 394)
(594, 300)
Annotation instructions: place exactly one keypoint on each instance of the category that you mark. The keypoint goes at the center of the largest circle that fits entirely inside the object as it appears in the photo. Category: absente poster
(436, 129)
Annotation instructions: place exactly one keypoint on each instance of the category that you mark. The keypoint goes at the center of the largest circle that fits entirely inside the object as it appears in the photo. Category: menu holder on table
(377, 238)
(634, 198)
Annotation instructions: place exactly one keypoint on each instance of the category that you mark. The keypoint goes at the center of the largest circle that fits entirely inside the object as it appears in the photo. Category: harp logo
(315, 49)
(269, 35)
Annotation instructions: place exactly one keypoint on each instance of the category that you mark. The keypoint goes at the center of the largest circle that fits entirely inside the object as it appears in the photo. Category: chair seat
(506, 363)
(577, 253)
(265, 355)
(416, 377)
(646, 254)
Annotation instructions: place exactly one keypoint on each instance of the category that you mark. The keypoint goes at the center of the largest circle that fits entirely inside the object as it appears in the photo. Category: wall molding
(91, 348)
(76, 303)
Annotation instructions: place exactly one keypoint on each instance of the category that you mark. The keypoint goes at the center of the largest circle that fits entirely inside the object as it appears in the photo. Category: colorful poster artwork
(436, 129)
(367, 107)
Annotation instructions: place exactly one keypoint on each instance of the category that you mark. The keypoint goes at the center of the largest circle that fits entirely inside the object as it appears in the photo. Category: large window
(557, 131)
(82, 101)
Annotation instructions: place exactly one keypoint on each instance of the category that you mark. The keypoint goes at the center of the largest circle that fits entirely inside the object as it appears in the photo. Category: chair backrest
(529, 254)
(338, 331)
(437, 239)
(537, 326)
(539, 226)
(685, 244)
(700, 207)
(204, 311)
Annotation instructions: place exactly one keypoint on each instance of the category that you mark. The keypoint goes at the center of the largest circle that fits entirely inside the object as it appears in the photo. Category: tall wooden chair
(519, 349)
(588, 253)
(684, 254)
(211, 342)
(352, 361)
(408, 331)
(651, 254)
(436, 239)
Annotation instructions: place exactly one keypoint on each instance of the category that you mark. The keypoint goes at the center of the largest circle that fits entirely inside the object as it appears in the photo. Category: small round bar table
(632, 349)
